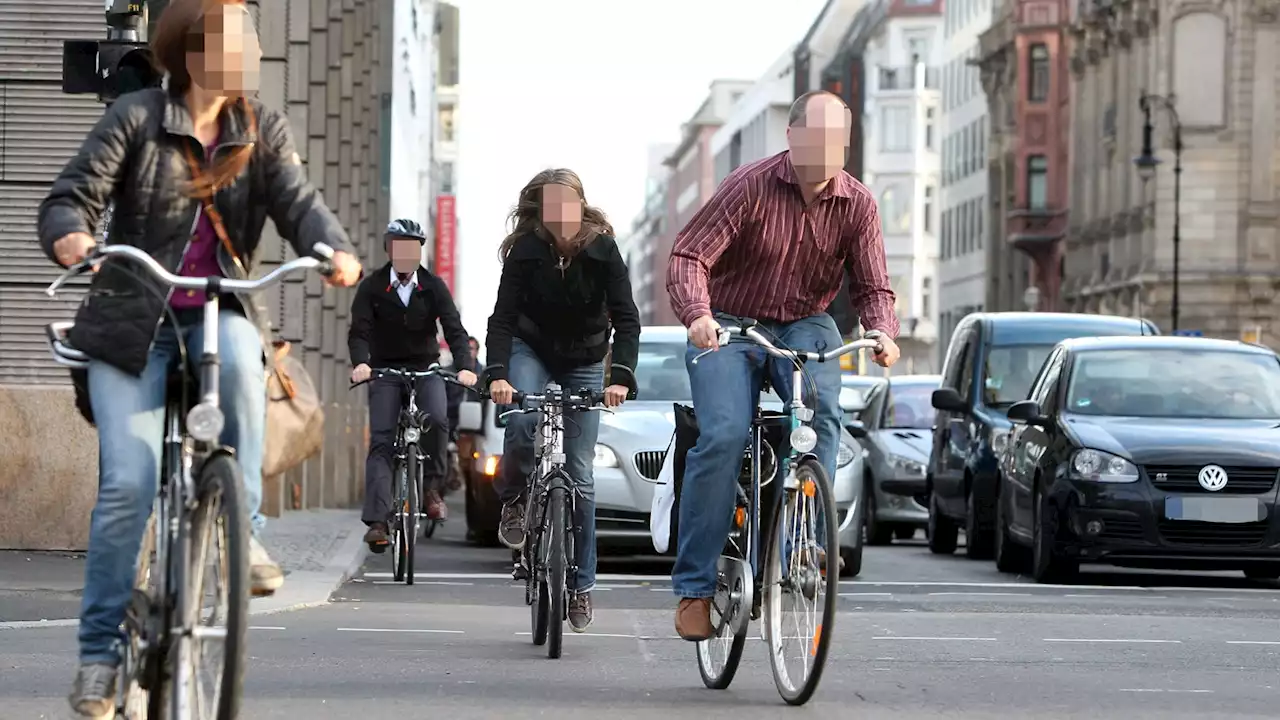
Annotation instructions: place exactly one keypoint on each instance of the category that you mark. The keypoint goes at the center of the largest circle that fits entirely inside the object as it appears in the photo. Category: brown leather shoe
(376, 538)
(436, 509)
(693, 619)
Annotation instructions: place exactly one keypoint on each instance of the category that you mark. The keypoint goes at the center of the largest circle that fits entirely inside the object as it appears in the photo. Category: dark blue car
(991, 362)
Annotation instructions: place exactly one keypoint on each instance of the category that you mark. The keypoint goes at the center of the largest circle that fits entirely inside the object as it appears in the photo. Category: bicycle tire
(719, 678)
(141, 694)
(411, 508)
(221, 507)
(398, 559)
(557, 568)
(815, 484)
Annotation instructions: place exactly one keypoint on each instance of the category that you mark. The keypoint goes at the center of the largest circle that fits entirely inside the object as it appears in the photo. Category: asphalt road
(917, 637)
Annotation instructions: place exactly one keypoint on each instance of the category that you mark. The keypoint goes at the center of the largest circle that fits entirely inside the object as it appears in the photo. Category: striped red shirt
(754, 250)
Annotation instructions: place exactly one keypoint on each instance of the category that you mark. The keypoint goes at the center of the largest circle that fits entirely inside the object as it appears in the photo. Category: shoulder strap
(215, 218)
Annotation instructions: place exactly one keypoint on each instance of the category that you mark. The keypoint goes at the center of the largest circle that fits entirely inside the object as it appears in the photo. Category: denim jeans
(726, 386)
(130, 417)
(527, 373)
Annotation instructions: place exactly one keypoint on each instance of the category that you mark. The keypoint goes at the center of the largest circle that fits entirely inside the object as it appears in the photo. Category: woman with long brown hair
(193, 169)
(564, 284)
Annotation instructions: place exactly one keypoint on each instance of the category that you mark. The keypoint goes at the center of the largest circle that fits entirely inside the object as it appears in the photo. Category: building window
(946, 234)
(895, 129)
(446, 178)
(1038, 73)
(926, 297)
(446, 123)
(1037, 182)
(895, 211)
(930, 128)
(928, 208)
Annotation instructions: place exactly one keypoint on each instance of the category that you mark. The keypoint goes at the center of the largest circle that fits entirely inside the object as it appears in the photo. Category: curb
(302, 589)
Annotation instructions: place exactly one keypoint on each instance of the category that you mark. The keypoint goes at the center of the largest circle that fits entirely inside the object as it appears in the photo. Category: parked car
(895, 430)
(990, 364)
(1145, 452)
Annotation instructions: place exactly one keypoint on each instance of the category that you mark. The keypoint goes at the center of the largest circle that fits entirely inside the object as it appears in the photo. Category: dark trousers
(387, 395)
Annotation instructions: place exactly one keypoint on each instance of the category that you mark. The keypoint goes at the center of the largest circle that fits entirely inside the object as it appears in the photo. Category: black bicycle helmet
(406, 228)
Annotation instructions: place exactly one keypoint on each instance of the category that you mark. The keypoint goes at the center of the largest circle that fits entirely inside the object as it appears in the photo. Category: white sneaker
(265, 576)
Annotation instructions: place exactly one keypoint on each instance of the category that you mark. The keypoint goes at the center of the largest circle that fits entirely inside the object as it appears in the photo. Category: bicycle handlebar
(323, 254)
(433, 369)
(580, 401)
(747, 329)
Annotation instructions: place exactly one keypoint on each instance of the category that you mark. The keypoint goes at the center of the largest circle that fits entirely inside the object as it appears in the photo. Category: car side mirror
(470, 416)
(1027, 411)
(948, 399)
(856, 429)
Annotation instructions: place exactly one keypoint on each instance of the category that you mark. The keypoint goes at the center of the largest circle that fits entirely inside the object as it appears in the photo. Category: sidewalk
(318, 549)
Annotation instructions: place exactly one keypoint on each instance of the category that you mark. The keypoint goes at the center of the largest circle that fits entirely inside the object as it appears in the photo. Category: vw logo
(1212, 478)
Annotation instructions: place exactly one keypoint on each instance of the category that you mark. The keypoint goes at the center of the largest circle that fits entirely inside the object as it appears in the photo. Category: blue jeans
(726, 387)
(527, 373)
(130, 417)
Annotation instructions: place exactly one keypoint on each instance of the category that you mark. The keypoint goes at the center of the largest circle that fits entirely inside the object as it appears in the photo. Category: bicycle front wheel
(800, 580)
(411, 508)
(217, 596)
(557, 567)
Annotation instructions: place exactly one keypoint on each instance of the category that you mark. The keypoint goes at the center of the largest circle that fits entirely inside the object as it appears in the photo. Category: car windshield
(1176, 383)
(910, 406)
(1010, 371)
(661, 375)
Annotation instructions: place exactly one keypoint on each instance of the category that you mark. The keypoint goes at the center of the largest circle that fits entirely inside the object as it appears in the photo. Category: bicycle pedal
(518, 572)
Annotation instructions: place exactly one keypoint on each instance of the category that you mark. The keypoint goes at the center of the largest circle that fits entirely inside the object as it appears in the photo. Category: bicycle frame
(551, 474)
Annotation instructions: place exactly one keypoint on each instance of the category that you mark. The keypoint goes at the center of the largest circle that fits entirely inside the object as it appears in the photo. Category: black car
(990, 364)
(1144, 452)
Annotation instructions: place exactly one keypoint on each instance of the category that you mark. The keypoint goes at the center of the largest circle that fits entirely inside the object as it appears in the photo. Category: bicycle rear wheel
(718, 658)
(410, 510)
(218, 594)
(557, 567)
(799, 573)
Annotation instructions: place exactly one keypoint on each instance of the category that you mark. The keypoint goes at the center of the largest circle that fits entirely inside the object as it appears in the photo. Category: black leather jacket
(135, 156)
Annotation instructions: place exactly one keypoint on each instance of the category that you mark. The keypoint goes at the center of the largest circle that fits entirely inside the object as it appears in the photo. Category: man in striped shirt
(773, 244)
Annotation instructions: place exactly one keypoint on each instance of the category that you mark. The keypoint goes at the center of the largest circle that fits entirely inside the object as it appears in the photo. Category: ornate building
(1215, 65)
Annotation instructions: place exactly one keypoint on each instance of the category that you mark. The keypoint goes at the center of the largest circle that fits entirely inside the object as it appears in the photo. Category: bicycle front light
(804, 439)
(605, 457)
(411, 434)
(205, 422)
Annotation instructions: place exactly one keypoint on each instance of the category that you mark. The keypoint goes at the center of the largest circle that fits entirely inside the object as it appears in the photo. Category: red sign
(446, 236)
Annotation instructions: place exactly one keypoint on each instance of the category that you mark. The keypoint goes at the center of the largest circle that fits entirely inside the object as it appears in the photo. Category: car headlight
(1098, 466)
(605, 457)
(907, 466)
(999, 440)
(845, 456)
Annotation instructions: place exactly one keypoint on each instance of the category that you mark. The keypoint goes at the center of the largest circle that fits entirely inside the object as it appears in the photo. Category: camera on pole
(113, 67)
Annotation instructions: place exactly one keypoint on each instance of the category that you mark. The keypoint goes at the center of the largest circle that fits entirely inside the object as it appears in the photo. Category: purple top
(201, 259)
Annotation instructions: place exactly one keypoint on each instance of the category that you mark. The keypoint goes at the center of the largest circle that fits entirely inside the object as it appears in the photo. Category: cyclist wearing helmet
(393, 325)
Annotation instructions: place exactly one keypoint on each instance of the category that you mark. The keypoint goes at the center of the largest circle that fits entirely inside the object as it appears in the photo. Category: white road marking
(625, 636)
(401, 630)
(1162, 690)
(982, 594)
(1111, 640)
(866, 594)
(267, 627)
(607, 577)
(930, 639)
(1253, 642)
(422, 582)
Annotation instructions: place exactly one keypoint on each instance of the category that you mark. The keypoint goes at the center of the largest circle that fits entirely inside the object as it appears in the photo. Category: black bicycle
(548, 559)
(798, 571)
(191, 593)
(407, 513)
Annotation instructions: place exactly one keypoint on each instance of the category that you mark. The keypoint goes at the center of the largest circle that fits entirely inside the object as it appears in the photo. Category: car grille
(649, 463)
(1194, 532)
(1122, 529)
(1185, 478)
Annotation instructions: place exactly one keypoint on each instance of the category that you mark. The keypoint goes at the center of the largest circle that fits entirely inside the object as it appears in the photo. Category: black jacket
(565, 317)
(386, 334)
(134, 156)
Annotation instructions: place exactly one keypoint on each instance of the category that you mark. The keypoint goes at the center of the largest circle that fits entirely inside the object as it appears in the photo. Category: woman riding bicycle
(193, 170)
(563, 284)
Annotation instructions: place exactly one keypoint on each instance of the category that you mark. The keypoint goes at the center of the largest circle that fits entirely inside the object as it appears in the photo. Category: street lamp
(1146, 164)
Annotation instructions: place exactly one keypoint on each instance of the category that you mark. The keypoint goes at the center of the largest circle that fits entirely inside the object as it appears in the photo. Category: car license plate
(1215, 509)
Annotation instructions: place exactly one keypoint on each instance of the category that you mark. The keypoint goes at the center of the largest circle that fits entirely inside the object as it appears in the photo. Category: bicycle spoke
(209, 598)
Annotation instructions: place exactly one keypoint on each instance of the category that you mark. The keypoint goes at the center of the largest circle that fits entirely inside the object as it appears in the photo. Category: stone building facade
(1218, 61)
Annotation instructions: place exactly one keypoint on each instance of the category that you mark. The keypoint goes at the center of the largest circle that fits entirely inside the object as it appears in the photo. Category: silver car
(634, 441)
(895, 429)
